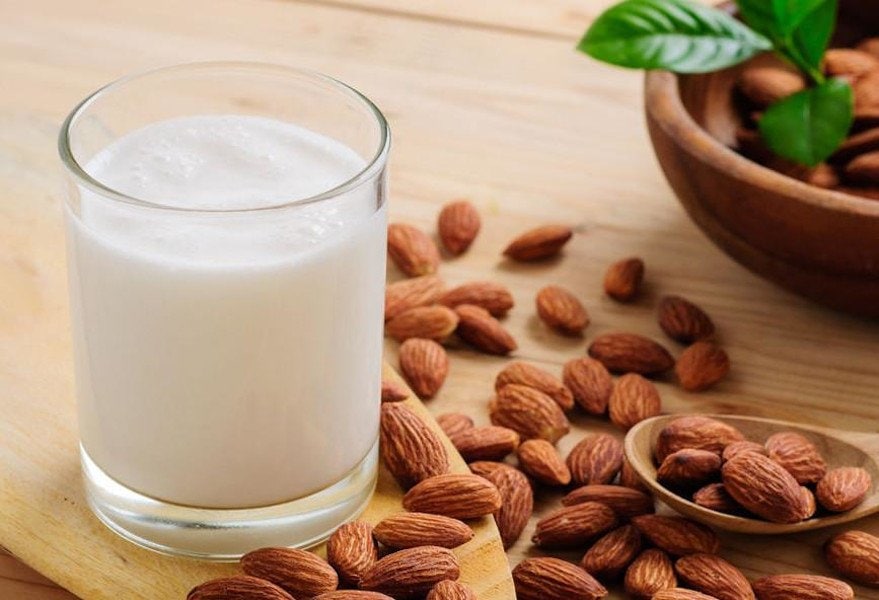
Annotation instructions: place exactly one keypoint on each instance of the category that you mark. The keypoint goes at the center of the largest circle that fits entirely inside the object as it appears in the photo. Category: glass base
(227, 534)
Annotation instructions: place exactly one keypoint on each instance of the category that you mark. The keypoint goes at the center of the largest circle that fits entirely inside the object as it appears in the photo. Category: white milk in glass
(227, 359)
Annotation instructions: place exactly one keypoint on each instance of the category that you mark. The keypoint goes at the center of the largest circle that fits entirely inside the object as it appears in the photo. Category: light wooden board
(520, 123)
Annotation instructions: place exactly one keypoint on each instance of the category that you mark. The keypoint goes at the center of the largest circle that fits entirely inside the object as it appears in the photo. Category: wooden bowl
(819, 243)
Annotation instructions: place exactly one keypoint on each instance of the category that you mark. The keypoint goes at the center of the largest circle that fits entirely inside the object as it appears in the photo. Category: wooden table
(487, 100)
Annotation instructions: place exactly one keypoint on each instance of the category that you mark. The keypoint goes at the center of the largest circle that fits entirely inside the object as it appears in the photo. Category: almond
(764, 488)
(869, 45)
(539, 459)
(352, 595)
(531, 413)
(864, 168)
(612, 553)
(848, 62)
(485, 443)
(410, 449)
(411, 529)
(649, 574)
(855, 555)
(630, 479)
(683, 321)
(561, 310)
(547, 578)
(701, 365)
(866, 89)
(622, 281)
(810, 503)
(451, 590)
(239, 586)
(633, 399)
(351, 550)
(428, 322)
(595, 459)
(425, 365)
(701, 433)
(300, 573)
(573, 526)
(802, 587)
(400, 296)
(712, 575)
(765, 85)
(625, 502)
(590, 383)
(456, 495)
(412, 572)
(628, 352)
(458, 225)
(843, 488)
(537, 244)
(517, 499)
(798, 455)
(715, 497)
(681, 594)
(688, 468)
(743, 446)
(676, 535)
(493, 297)
(391, 392)
(412, 250)
(478, 328)
(526, 374)
(452, 423)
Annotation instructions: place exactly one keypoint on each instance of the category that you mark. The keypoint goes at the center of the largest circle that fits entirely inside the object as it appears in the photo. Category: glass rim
(373, 165)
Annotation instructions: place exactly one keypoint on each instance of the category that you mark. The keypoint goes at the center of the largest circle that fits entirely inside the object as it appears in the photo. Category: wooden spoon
(840, 449)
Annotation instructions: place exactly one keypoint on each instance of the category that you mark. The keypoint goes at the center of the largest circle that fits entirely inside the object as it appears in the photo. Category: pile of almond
(854, 167)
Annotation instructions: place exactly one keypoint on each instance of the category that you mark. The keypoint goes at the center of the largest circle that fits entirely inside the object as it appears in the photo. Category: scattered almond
(485, 443)
(676, 535)
(546, 578)
(798, 455)
(352, 595)
(428, 322)
(526, 374)
(764, 488)
(493, 297)
(410, 450)
(634, 399)
(451, 590)
(696, 431)
(573, 526)
(517, 499)
(453, 423)
(540, 243)
(765, 85)
(608, 558)
(238, 586)
(864, 168)
(529, 412)
(622, 281)
(683, 321)
(391, 392)
(869, 45)
(625, 502)
(411, 529)
(456, 495)
(681, 594)
(458, 225)
(810, 503)
(412, 572)
(301, 573)
(801, 587)
(710, 574)
(743, 446)
(412, 250)
(561, 310)
(629, 352)
(478, 328)
(650, 573)
(688, 468)
(855, 555)
(866, 89)
(630, 479)
(843, 488)
(595, 459)
(351, 550)
(402, 295)
(539, 459)
(848, 62)
(590, 383)
(715, 497)
(701, 365)
(425, 365)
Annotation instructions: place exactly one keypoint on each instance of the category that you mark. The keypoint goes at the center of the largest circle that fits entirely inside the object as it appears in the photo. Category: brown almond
(301, 573)
(517, 498)
(766, 85)
(411, 529)
(625, 502)
(633, 399)
(650, 573)
(458, 225)
(451, 590)
(424, 364)
(764, 488)
(701, 365)
(681, 594)
(573, 526)
(854, 555)
(453, 423)
(539, 243)
(688, 468)
(493, 297)
(546, 578)
(710, 574)
(676, 535)
(590, 383)
(410, 449)
(848, 62)
(526, 374)
(412, 250)
(392, 392)
(561, 310)
(608, 558)
(869, 45)
(743, 446)
(595, 459)
(864, 168)
(529, 412)
(810, 503)
(683, 320)
(622, 280)
(801, 587)
(456, 495)
(428, 322)
(843, 488)
(411, 572)
(796, 453)
(630, 479)
(238, 586)
(715, 497)
(630, 353)
(539, 459)
(353, 595)
(402, 295)
(696, 431)
(485, 443)
(351, 550)
(478, 328)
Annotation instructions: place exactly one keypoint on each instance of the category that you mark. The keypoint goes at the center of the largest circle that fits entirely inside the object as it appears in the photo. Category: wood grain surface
(486, 100)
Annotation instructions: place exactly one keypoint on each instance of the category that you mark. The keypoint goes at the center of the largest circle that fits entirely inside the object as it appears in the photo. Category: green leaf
(790, 13)
(678, 35)
(809, 126)
(812, 34)
(760, 16)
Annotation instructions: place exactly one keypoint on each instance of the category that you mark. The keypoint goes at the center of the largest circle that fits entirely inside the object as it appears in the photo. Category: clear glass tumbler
(226, 248)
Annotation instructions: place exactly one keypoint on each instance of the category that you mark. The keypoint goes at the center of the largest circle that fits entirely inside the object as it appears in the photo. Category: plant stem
(786, 48)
